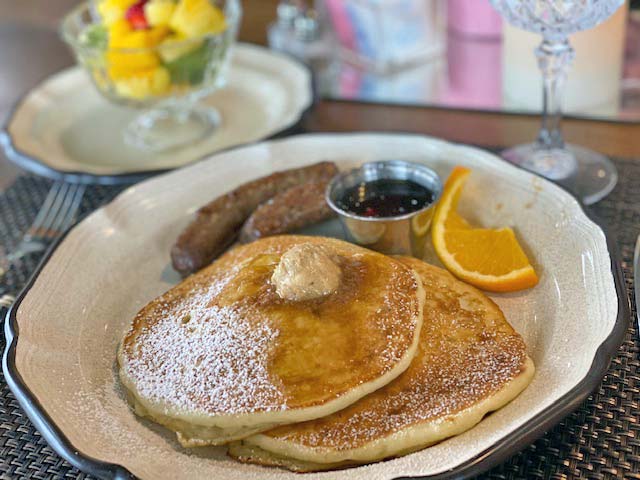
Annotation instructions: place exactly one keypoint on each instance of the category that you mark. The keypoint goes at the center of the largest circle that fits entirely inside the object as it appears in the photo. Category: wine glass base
(589, 175)
(164, 129)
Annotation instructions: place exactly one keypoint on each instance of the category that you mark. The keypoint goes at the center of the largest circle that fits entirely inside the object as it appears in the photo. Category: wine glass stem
(554, 58)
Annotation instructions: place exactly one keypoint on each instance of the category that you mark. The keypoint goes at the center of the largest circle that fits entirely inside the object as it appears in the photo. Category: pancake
(222, 355)
(469, 362)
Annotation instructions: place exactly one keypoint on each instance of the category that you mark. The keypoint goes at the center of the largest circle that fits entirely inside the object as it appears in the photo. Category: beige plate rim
(37, 157)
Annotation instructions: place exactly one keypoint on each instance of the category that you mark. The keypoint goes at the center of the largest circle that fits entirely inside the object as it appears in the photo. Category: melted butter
(306, 271)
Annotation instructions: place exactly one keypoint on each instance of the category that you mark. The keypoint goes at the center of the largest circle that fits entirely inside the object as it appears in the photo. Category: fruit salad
(155, 48)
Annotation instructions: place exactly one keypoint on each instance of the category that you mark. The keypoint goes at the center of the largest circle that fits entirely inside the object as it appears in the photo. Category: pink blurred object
(474, 69)
(341, 22)
(473, 18)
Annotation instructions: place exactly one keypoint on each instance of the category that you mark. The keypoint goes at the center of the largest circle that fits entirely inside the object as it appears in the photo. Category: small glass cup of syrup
(386, 206)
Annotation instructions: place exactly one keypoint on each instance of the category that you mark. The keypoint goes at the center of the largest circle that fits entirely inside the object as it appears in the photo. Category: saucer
(64, 128)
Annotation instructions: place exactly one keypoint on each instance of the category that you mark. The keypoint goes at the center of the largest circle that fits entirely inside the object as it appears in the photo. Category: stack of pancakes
(400, 356)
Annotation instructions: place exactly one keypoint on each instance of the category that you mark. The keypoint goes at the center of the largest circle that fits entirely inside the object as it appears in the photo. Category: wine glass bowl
(588, 174)
(556, 18)
(161, 74)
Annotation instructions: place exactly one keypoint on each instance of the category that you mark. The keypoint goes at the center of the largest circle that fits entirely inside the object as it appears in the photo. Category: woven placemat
(600, 440)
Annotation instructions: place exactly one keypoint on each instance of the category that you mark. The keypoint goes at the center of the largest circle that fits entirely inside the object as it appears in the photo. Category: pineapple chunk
(112, 11)
(149, 83)
(158, 12)
(193, 18)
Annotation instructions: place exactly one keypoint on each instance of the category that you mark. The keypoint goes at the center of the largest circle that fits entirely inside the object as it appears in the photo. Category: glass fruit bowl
(160, 56)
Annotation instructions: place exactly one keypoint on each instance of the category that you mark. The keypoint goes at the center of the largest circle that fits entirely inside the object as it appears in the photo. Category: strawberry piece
(135, 15)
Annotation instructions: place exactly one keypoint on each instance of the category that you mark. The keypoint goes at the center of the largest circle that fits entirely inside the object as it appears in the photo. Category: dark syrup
(385, 198)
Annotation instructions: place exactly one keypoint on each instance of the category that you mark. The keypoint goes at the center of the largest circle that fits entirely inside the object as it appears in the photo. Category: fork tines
(57, 212)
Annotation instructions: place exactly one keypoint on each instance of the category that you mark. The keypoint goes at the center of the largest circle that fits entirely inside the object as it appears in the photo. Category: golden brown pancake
(221, 355)
(470, 361)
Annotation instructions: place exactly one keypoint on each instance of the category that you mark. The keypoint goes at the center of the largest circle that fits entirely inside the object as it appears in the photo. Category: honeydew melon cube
(176, 46)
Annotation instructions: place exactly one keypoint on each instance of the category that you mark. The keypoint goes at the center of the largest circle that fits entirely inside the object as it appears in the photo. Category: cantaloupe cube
(124, 64)
(130, 51)
(118, 31)
(122, 36)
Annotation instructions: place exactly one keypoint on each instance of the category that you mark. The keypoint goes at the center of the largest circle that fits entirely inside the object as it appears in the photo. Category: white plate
(72, 317)
(64, 125)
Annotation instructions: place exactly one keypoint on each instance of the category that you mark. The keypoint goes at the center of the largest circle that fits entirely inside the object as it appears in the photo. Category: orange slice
(491, 259)
(421, 222)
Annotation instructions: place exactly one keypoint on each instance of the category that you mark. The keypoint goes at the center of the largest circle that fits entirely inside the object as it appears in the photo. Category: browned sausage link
(290, 210)
(217, 224)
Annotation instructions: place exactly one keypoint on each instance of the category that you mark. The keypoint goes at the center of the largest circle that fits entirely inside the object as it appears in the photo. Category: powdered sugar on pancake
(223, 343)
(197, 364)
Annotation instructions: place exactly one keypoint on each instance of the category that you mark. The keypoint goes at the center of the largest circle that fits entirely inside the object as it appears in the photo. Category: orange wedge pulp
(491, 259)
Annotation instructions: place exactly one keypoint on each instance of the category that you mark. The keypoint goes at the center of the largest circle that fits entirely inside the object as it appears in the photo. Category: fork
(54, 218)
(636, 279)
(6, 301)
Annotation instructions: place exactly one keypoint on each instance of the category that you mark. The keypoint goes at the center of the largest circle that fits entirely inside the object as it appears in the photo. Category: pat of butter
(306, 271)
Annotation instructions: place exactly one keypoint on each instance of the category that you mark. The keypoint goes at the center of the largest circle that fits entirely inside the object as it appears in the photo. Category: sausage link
(218, 223)
(290, 210)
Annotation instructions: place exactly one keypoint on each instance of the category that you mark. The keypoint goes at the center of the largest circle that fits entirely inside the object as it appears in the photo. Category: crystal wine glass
(590, 175)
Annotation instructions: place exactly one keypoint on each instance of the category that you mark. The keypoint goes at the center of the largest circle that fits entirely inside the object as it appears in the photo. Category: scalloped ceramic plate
(64, 127)
(71, 317)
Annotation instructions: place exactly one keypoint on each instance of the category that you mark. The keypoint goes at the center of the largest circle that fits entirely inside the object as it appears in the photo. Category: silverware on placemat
(7, 300)
(55, 216)
(636, 280)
